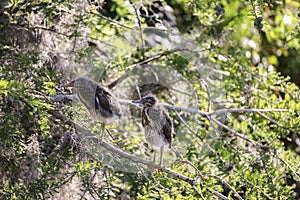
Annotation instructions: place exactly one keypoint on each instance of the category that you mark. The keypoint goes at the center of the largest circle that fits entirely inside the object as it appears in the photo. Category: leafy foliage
(222, 54)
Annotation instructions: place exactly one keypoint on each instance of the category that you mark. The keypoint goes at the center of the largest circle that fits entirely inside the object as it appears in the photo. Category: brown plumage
(100, 103)
(157, 124)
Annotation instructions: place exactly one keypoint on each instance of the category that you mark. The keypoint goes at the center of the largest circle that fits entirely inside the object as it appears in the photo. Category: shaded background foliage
(245, 53)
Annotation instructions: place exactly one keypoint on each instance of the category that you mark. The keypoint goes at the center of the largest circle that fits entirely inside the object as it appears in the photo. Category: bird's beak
(70, 84)
(142, 101)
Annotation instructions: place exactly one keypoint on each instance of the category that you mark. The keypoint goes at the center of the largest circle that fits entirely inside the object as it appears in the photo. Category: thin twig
(226, 184)
(146, 60)
(187, 126)
(160, 185)
(191, 164)
(110, 20)
(273, 121)
(88, 186)
(165, 53)
(253, 185)
(62, 183)
(107, 182)
(51, 30)
(222, 111)
(194, 134)
(137, 13)
(263, 160)
(208, 93)
(256, 144)
(288, 165)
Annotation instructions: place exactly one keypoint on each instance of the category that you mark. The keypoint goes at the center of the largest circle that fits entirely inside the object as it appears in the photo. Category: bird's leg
(154, 155)
(161, 155)
(102, 130)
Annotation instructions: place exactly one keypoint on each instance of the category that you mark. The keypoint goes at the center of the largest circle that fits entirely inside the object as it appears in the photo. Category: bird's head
(70, 84)
(79, 82)
(147, 101)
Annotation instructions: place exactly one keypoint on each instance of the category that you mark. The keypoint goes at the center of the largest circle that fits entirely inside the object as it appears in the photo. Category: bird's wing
(145, 117)
(115, 106)
(167, 127)
(161, 122)
(102, 102)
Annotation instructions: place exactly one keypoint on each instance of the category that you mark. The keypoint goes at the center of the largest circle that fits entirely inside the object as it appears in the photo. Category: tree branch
(126, 155)
(221, 196)
(205, 114)
(146, 162)
(72, 97)
(246, 110)
(256, 144)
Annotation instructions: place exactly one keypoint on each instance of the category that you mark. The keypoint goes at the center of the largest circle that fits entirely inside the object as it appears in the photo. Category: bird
(157, 124)
(99, 102)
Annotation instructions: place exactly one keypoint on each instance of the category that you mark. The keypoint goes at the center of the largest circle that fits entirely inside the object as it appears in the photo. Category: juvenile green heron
(100, 103)
(157, 124)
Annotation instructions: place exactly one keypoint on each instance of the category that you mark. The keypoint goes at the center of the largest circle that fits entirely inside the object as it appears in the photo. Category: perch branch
(145, 162)
(205, 114)
(126, 155)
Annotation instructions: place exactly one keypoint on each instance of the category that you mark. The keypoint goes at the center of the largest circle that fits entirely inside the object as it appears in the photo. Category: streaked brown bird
(157, 124)
(100, 103)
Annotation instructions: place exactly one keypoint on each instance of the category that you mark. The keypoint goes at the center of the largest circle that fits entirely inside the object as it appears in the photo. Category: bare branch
(187, 126)
(220, 195)
(273, 121)
(145, 162)
(73, 97)
(222, 111)
(256, 144)
(165, 53)
(190, 110)
(246, 110)
(147, 60)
